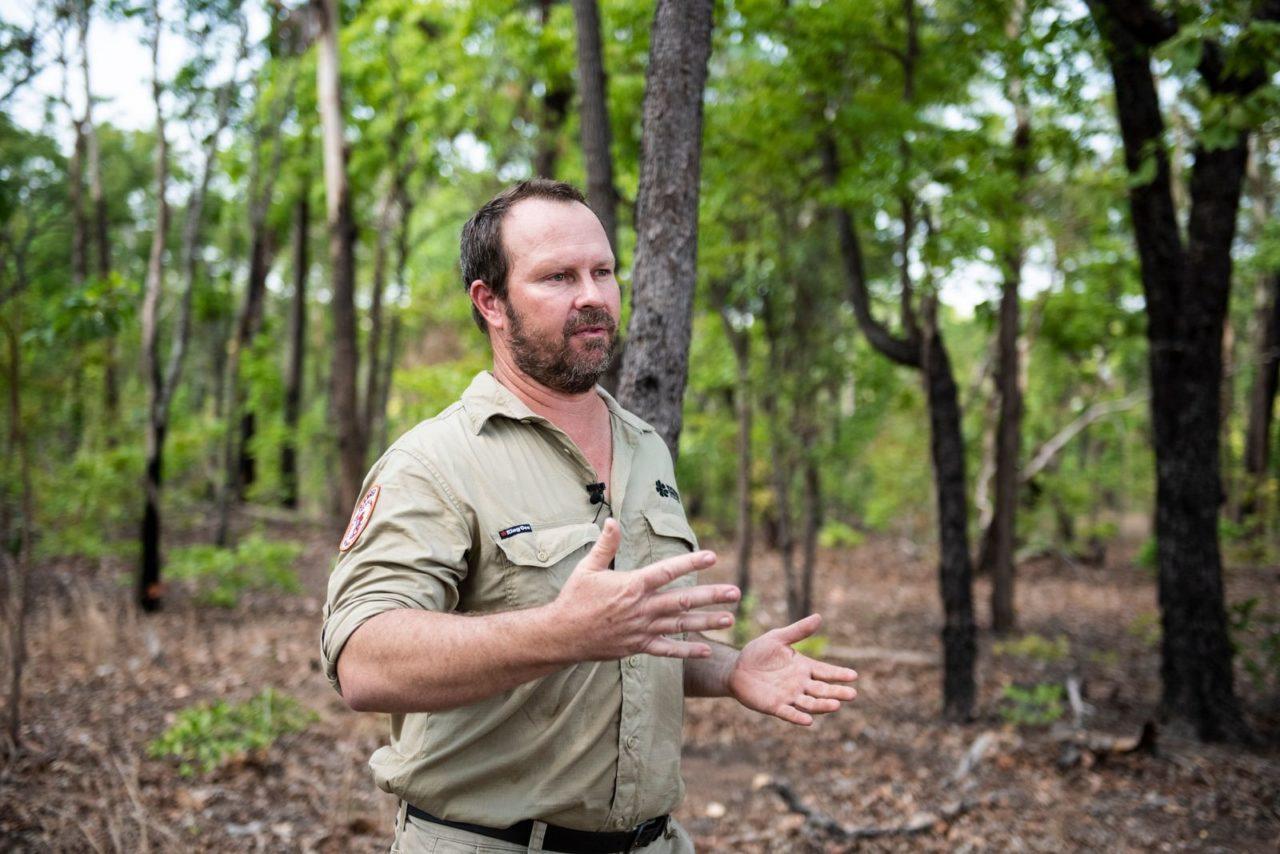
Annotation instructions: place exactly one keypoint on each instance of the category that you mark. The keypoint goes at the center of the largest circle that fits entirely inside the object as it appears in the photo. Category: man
(515, 587)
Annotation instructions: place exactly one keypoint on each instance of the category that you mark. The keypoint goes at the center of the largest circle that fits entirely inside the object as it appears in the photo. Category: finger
(664, 572)
(799, 630)
(668, 648)
(831, 673)
(602, 553)
(698, 621)
(687, 598)
(830, 692)
(815, 706)
(794, 716)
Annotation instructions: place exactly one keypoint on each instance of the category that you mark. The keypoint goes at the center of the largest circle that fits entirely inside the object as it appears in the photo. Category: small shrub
(838, 535)
(1255, 636)
(221, 576)
(208, 736)
(813, 646)
(1146, 628)
(1038, 705)
(1035, 647)
(1146, 556)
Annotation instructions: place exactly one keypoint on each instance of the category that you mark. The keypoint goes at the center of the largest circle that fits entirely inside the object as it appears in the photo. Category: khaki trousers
(415, 836)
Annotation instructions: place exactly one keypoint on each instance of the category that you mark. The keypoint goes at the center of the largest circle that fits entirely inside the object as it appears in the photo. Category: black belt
(564, 839)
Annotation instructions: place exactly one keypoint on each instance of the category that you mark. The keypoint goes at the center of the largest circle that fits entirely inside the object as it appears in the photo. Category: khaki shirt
(485, 508)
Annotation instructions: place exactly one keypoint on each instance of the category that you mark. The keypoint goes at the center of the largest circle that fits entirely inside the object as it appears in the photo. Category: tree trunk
(740, 341)
(594, 119)
(17, 567)
(928, 355)
(656, 368)
(1186, 290)
(344, 365)
(1009, 426)
(1265, 329)
(148, 587)
(101, 232)
(812, 509)
(294, 371)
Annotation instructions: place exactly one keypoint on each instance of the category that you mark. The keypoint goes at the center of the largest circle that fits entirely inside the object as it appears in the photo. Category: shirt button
(631, 742)
(542, 555)
(633, 661)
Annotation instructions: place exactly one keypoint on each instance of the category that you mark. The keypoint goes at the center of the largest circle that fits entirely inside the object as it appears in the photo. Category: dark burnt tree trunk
(556, 98)
(1265, 347)
(148, 587)
(294, 370)
(1186, 286)
(924, 350)
(656, 366)
(344, 363)
(1008, 444)
(920, 346)
(594, 119)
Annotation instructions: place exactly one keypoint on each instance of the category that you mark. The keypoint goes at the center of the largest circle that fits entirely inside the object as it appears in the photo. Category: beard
(558, 364)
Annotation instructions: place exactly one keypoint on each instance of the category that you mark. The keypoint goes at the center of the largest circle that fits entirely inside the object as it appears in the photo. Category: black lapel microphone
(596, 493)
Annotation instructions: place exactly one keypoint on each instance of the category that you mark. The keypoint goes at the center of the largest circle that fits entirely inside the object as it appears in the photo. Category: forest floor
(884, 774)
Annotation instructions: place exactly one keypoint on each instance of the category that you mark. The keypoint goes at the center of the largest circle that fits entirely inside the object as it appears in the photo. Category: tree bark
(1009, 425)
(1265, 329)
(294, 372)
(655, 370)
(148, 587)
(594, 119)
(1186, 289)
(928, 354)
(344, 365)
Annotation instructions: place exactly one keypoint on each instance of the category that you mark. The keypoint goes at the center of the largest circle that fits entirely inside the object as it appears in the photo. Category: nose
(592, 292)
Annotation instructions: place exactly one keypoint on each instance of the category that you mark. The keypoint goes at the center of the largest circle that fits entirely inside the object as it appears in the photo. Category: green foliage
(206, 737)
(221, 576)
(813, 646)
(1035, 647)
(88, 505)
(838, 535)
(1255, 634)
(1035, 705)
(1147, 555)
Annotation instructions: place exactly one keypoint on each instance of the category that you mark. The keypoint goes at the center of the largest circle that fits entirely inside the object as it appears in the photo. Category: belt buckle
(647, 831)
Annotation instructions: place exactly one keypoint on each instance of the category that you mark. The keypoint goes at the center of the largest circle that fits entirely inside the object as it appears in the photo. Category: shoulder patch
(360, 518)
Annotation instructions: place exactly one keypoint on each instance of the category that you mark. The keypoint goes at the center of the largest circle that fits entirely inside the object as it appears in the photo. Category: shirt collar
(486, 398)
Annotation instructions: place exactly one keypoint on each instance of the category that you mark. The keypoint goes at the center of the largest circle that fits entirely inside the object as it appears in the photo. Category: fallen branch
(1088, 748)
(917, 824)
(973, 756)
(1050, 449)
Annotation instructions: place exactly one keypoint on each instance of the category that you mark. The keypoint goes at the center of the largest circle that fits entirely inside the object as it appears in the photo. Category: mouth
(592, 331)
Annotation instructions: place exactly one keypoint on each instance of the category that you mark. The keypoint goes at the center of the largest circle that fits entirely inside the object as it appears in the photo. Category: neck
(560, 408)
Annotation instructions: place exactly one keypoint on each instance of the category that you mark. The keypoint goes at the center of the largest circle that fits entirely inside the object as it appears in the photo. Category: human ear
(489, 304)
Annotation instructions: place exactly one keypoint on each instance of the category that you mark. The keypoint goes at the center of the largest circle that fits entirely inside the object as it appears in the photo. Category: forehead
(538, 232)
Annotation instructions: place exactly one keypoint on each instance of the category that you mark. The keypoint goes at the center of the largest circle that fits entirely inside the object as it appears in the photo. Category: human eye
(559, 276)
(603, 272)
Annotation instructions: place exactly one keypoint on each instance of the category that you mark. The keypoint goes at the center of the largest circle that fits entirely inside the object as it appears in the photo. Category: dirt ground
(885, 774)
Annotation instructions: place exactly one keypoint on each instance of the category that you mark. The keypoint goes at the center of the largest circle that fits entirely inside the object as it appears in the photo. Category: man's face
(562, 299)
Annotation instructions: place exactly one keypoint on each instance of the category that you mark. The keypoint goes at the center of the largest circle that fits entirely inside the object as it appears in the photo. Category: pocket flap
(547, 546)
(667, 524)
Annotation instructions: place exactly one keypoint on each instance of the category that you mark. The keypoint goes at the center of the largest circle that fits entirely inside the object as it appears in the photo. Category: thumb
(799, 630)
(603, 552)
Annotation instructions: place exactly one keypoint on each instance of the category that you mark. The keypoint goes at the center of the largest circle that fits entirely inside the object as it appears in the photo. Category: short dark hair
(482, 255)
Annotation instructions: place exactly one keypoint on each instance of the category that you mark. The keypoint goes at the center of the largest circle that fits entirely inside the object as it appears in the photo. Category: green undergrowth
(206, 737)
(221, 576)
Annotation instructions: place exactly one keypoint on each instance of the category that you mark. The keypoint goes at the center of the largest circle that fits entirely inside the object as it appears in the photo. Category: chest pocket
(537, 564)
(669, 536)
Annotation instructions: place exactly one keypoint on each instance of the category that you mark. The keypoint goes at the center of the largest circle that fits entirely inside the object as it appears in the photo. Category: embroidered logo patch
(360, 518)
(508, 533)
(667, 491)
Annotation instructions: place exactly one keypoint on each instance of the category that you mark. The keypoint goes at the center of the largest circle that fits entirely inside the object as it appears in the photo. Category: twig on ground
(918, 823)
(973, 756)
(905, 657)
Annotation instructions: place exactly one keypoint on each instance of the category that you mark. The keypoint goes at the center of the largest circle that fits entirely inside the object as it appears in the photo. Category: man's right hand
(612, 615)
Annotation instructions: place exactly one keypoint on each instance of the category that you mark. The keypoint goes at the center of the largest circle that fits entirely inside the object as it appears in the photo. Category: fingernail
(726, 621)
(707, 558)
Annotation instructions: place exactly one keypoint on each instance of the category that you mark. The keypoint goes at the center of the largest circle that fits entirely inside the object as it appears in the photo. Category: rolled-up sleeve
(412, 553)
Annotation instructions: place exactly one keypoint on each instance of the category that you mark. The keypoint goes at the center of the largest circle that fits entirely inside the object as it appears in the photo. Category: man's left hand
(771, 677)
